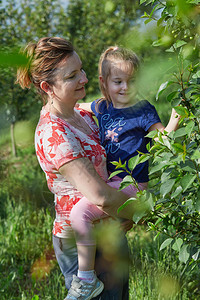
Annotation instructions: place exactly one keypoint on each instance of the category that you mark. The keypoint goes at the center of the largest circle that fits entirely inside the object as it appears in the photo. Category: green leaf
(142, 1)
(189, 127)
(158, 167)
(155, 237)
(177, 244)
(196, 255)
(166, 142)
(171, 49)
(115, 173)
(127, 180)
(180, 132)
(144, 158)
(157, 43)
(188, 166)
(118, 164)
(148, 146)
(128, 202)
(175, 102)
(187, 181)
(166, 243)
(177, 192)
(179, 43)
(166, 174)
(140, 212)
(138, 216)
(156, 147)
(182, 111)
(149, 202)
(155, 8)
(184, 254)
(147, 21)
(196, 75)
(196, 154)
(178, 148)
(162, 87)
(35, 297)
(172, 95)
(152, 134)
(167, 186)
(132, 163)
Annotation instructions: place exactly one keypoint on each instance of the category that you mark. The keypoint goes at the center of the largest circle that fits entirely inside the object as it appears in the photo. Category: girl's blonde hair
(105, 64)
(43, 60)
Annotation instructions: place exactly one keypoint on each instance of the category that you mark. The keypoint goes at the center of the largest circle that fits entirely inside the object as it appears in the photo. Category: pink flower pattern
(56, 143)
(111, 134)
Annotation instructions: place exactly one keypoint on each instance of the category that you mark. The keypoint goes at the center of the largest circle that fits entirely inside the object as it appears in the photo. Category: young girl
(123, 127)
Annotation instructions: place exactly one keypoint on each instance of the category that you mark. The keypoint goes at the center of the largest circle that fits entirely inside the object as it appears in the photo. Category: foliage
(157, 274)
(172, 204)
(22, 22)
(94, 25)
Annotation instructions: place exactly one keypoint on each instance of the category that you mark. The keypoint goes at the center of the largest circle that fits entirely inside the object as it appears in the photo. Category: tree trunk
(13, 144)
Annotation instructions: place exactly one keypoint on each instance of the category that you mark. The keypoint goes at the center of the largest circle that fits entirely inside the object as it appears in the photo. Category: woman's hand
(82, 175)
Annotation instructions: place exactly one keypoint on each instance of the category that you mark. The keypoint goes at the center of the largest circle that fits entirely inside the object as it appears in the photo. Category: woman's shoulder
(49, 124)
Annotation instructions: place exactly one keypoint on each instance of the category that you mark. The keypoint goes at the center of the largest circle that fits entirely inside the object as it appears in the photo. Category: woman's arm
(82, 175)
(171, 126)
(85, 106)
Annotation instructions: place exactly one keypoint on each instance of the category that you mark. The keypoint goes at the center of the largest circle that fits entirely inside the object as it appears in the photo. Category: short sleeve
(93, 107)
(150, 116)
(61, 145)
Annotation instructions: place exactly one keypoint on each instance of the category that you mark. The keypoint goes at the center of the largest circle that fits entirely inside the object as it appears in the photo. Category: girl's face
(70, 80)
(121, 75)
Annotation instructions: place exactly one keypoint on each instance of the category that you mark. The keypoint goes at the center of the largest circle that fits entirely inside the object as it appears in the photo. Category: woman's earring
(51, 98)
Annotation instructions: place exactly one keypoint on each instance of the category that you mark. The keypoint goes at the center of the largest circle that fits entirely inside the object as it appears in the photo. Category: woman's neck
(70, 116)
(60, 110)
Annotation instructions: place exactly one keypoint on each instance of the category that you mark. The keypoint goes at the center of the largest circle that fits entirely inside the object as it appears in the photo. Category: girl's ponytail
(104, 55)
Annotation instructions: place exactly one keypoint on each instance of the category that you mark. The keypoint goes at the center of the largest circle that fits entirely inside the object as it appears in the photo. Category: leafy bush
(173, 201)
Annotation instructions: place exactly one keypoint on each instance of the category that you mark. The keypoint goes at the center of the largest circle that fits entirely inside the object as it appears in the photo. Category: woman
(74, 162)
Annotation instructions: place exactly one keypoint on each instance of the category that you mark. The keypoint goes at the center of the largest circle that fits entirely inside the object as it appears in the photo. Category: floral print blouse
(58, 142)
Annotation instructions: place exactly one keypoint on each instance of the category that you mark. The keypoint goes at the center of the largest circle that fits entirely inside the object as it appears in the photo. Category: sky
(63, 2)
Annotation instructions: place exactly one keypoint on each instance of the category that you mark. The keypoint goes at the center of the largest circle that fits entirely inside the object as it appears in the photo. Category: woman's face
(70, 80)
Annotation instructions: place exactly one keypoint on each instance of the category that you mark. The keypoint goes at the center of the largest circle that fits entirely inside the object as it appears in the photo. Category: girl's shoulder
(142, 104)
(100, 106)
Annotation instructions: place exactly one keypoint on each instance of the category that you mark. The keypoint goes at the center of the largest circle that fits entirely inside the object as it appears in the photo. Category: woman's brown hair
(43, 60)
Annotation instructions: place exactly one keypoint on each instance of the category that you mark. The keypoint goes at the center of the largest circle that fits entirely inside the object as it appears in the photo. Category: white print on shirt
(111, 134)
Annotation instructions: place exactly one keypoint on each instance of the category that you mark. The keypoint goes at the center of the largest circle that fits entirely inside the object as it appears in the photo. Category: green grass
(156, 274)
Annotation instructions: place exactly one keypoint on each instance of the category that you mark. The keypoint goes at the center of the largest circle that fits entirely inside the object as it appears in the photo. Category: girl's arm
(171, 126)
(85, 106)
(82, 175)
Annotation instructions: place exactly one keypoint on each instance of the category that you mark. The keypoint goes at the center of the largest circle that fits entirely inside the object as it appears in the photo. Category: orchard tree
(21, 22)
